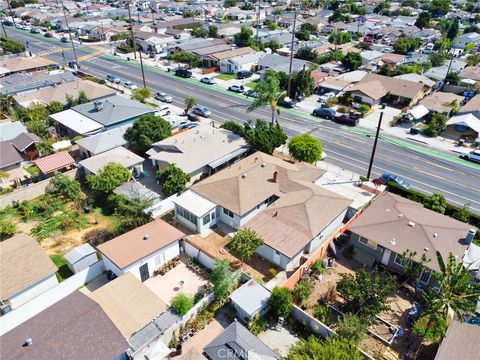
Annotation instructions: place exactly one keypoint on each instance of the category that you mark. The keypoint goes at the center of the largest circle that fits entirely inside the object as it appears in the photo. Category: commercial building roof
(136, 244)
(22, 263)
(55, 162)
(76, 122)
(460, 340)
(119, 155)
(251, 297)
(73, 328)
(105, 140)
(400, 224)
(128, 303)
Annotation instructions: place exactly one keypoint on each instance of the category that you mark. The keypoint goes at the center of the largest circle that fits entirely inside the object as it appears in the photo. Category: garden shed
(250, 299)
(81, 258)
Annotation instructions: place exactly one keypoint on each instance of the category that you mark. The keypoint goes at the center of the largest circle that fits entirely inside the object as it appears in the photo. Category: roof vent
(435, 235)
(470, 235)
(426, 249)
(393, 241)
(263, 164)
(276, 213)
(387, 210)
(28, 342)
(146, 237)
(98, 105)
(400, 215)
(244, 176)
(411, 224)
(275, 176)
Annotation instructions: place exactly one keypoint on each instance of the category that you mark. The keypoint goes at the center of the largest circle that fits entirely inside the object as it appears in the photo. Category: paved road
(349, 148)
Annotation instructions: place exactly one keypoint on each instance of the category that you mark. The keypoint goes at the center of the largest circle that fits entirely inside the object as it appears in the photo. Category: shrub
(66, 187)
(323, 314)
(306, 148)
(272, 272)
(198, 296)
(317, 267)
(7, 229)
(257, 324)
(281, 302)
(350, 327)
(343, 109)
(181, 303)
(302, 290)
(430, 329)
(331, 102)
(364, 109)
(173, 179)
(234, 127)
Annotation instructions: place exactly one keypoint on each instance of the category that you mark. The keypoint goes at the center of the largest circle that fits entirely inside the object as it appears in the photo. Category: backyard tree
(340, 38)
(305, 148)
(66, 187)
(366, 293)
(330, 348)
(306, 53)
(133, 213)
(264, 137)
(244, 37)
(189, 103)
(352, 60)
(110, 177)
(141, 94)
(213, 31)
(351, 327)
(281, 302)
(147, 130)
(222, 278)
(82, 98)
(423, 20)
(268, 93)
(173, 179)
(55, 106)
(436, 124)
(245, 242)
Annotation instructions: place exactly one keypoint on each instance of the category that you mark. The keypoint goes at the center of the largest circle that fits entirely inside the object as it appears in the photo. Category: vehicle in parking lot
(473, 155)
(243, 74)
(130, 85)
(161, 96)
(387, 177)
(346, 119)
(72, 64)
(236, 88)
(324, 112)
(250, 93)
(48, 35)
(193, 117)
(207, 80)
(201, 110)
(113, 79)
(183, 73)
(162, 111)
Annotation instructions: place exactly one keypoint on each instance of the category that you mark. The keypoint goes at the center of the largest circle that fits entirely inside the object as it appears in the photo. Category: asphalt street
(427, 170)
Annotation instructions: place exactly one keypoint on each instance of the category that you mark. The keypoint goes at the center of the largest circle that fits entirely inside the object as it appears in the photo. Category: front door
(144, 275)
(386, 256)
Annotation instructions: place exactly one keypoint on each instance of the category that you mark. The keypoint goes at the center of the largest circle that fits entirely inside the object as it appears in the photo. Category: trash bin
(179, 349)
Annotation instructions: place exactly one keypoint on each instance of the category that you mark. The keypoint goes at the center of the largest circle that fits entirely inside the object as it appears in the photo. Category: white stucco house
(242, 62)
(142, 250)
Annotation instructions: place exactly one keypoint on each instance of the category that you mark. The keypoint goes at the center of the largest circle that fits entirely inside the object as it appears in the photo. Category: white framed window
(400, 260)
(425, 276)
(371, 244)
(228, 212)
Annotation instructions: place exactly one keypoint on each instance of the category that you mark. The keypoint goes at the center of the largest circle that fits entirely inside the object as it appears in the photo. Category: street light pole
(291, 55)
(372, 156)
(70, 36)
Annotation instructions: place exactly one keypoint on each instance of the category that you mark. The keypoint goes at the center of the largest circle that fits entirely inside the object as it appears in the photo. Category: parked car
(113, 79)
(207, 80)
(325, 97)
(286, 102)
(324, 112)
(48, 35)
(346, 119)
(473, 155)
(387, 177)
(162, 111)
(72, 64)
(236, 88)
(188, 125)
(34, 30)
(183, 73)
(193, 117)
(164, 97)
(429, 48)
(181, 125)
(243, 74)
(64, 39)
(201, 110)
(250, 93)
(130, 85)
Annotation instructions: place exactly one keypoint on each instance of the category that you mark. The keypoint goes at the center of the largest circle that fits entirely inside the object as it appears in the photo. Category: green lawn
(32, 170)
(251, 84)
(63, 270)
(226, 76)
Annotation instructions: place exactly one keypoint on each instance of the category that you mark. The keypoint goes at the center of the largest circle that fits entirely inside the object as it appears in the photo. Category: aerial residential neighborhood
(239, 180)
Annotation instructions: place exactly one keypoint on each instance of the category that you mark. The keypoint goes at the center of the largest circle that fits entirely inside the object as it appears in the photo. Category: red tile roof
(54, 162)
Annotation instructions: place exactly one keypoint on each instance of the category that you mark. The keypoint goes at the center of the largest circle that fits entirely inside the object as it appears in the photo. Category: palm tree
(268, 92)
(456, 292)
(189, 103)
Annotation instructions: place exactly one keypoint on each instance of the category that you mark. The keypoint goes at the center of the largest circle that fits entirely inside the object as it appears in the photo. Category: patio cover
(467, 120)
(194, 203)
(76, 122)
(54, 162)
(418, 112)
(471, 259)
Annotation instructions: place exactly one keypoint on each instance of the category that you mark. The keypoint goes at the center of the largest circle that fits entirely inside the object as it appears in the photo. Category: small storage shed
(81, 257)
(250, 299)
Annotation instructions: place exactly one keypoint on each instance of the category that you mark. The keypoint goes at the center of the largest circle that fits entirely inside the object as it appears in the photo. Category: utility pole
(291, 54)
(372, 156)
(131, 30)
(11, 12)
(258, 21)
(141, 66)
(3, 27)
(70, 36)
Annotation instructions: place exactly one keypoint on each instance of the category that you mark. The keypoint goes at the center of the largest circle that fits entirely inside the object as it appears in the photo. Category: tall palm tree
(457, 292)
(268, 92)
(189, 103)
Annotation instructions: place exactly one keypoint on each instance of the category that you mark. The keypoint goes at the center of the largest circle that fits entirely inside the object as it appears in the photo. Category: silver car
(161, 96)
(202, 111)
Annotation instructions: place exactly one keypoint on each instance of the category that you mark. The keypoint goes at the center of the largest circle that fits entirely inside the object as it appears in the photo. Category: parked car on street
(207, 80)
(183, 73)
(236, 88)
(243, 74)
(64, 39)
(473, 155)
(130, 85)
(387, 177)
(164, 97)
(48, 35)
(193, 117)
(346, 119)
(34, 30)
(201, 110)
(324, 112)
(113, 79)
(250, 93)
(286, 102)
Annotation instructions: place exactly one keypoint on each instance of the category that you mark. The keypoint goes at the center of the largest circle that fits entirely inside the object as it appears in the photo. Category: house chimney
(470, 235)
(275, 176)
(146, 237)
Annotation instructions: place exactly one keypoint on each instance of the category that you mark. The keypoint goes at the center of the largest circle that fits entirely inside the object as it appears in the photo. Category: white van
(428, 48)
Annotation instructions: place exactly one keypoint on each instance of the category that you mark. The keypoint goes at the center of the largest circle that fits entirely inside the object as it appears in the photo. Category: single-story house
(464, 126)
(369, 56)
(119, 155)
(240, 343)
(11, 129)
(72, 123)
(250, 299)
(392, 225)
(279, 63)
(90, 334)
(422, 79)
(101, 142)
(277, 199)
(56, 162)
(461, 338)
(471, 107)
(81, 257)
(213, 60)
(441, 102)
(128, 303)
(471, 73)
(200, 151)
(10, 162)
(344, 48)
(22, 83)
(463, 40)
(21, 64)
(242, 62)
(142, 250)
(26, 271)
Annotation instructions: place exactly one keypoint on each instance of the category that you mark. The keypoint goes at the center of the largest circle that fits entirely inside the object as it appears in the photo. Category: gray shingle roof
(9, 156)
(104, 141)
(17, 83)
(10, 130)
(24, 140)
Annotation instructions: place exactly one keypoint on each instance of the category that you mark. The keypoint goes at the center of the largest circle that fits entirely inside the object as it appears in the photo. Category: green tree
(430, 328)
(234, 127)
(264, 137)
(7, 229)
(66, 187)
(352, 60)
(173, 179)
(302, 290)
(330, 348)
(272, 45)
(5, 103)
(10, 46)
(132, 213)
(306, 53)
(244, 37)
(184, 58)
(245, 242)
(436, 202)
(55, 106)
(36, 119)
(272, 26)
(453, 78)
(366, 294)
(382, 7)
(463, 214)
(146, 130)
(82, 98)
(436, 124)
(453, 29)
(200, 32)
(439, 7)
(339, 38)
(351, 327)
(222, 278)
(189, 103)
(229, 3)
(141, 94)
(306, 148)
(281, 302)
(404, 45)
(107, 179)
(302, 35)
(213, 31)
(181, 303)
(268, 93)
(423, 20)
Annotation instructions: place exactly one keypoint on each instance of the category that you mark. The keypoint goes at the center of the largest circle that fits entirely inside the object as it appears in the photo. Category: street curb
(417, 140)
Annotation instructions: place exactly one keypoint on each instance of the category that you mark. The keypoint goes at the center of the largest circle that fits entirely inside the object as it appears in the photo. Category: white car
(325, 97)
(163, 111)
(130, 85)
(207, 80)
(473, 155)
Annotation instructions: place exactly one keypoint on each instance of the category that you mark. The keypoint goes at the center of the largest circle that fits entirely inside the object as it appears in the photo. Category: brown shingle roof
(386, 222)
(17, 64)
(22, 263)
(373, 89)
(231, 53)
(130, 247)
(439, 101)
(73, 328)
(461, 341)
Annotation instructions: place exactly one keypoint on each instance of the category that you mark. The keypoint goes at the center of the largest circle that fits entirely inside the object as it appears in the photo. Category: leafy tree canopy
(352, 60)
(281, 302)
(66, 187)
(305, 148)
(107, 179)
(245, 242)
(173, 179)
(147, 130)
(265, 137)
(222, 278)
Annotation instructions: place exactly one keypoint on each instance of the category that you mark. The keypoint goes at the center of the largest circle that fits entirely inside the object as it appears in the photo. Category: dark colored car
(346, 119)
(324, 112)
(250, 93)
(183, 73)
(34, 30)
(243, 74)
(286, 102)
(193, 117)
(387, 177)
(48, 35)
(72, 64)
